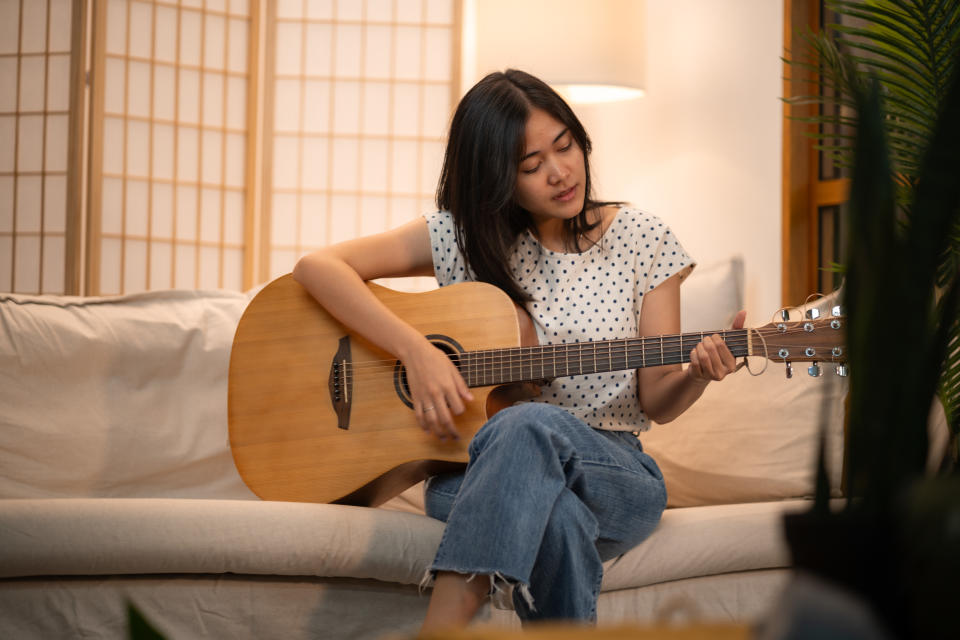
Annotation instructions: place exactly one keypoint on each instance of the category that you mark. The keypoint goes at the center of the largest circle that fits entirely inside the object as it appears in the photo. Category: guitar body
(302, 428)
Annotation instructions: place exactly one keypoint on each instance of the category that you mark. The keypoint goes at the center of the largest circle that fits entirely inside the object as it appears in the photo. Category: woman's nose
(557, 173)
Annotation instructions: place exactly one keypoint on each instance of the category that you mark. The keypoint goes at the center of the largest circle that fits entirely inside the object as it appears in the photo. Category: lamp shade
(589, 50)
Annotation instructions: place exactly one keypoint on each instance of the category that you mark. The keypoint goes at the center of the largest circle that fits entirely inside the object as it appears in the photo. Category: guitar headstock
(814, 338)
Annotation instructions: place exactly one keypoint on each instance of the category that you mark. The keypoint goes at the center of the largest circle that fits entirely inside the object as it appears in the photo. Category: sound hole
(446, 344)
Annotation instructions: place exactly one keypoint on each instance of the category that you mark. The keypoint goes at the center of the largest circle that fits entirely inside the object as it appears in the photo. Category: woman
(555, 486)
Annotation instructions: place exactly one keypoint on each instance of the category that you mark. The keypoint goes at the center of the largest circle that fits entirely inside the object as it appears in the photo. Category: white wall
(702, 148)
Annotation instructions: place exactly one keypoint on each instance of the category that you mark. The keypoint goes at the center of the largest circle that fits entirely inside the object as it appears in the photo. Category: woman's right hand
(439, 391)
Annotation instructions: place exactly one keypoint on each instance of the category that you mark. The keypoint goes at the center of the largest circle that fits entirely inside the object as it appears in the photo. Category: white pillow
(711, 296)
(125, 396)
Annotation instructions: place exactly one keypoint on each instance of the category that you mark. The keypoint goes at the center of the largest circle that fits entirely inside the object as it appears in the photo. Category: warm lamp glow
(596, 93)
(588, 51)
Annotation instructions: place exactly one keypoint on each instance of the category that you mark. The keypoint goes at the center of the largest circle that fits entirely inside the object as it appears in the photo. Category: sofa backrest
(123, 396)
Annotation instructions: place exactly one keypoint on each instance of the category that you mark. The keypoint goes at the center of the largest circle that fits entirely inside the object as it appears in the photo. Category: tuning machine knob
(814, 370)
(842, 370)
(789, 370)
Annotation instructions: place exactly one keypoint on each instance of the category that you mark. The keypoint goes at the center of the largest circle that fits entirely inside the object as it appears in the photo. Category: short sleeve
(659, 256)
(662, 255)
(448, 262)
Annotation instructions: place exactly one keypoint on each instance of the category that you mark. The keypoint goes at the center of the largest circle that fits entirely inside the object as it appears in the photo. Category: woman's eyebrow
(533, 153)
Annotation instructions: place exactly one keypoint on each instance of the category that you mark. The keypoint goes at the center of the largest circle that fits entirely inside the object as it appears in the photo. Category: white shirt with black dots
(583, 297)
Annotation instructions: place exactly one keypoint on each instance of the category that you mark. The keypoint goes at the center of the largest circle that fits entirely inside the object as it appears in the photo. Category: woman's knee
(529, 420)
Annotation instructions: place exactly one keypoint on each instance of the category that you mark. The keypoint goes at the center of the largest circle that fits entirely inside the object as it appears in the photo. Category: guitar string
(563, 351)
(501, 373)
(513, 359)
(636, 342)
(519, 358)
(477, 374)
(634, 346)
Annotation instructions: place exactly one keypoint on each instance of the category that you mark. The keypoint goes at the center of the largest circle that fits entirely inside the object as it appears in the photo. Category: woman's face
(551, 177)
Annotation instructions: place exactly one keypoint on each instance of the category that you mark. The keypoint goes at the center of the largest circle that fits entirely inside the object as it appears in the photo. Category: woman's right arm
(336, 277)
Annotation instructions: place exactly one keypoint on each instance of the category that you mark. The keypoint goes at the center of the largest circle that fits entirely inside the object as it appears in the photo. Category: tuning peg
(813, 314)
(814, 370)
(784, 315)
(789, 370)
(836, 311)
(842, 370)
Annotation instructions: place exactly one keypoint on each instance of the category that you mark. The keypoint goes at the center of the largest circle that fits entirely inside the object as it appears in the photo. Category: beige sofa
(116, 484)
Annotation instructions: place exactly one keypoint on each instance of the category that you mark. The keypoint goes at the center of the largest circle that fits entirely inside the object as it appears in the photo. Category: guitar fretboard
(519, 364)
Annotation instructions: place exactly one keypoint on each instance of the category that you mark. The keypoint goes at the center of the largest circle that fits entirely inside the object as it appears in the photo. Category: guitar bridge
(341, 383)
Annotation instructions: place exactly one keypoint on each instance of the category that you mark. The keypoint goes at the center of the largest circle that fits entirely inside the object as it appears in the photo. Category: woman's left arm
(667, 391)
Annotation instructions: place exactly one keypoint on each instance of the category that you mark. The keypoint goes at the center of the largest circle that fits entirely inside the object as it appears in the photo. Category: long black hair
(479, 175)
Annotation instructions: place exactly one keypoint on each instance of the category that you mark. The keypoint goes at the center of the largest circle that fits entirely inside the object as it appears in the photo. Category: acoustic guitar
(317, 413)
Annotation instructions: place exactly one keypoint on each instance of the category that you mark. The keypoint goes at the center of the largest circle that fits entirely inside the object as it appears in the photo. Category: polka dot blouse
(581, 297)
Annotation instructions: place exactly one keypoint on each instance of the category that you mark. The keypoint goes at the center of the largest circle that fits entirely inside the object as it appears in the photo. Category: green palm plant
(910, 47)
(895, 545)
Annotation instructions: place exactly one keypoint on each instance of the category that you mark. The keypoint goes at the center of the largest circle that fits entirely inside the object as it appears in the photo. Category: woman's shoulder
(441, 226)
(439, 218)
(632, 219)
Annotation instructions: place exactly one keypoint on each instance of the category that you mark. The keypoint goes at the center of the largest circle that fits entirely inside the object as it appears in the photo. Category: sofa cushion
(121, 396)
(162, 536)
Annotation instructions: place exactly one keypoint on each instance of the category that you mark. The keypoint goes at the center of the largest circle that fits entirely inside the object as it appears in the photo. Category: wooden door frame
(803, 192)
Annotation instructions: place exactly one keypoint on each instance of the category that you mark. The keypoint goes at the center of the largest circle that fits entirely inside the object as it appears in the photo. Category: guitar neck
(523, 364)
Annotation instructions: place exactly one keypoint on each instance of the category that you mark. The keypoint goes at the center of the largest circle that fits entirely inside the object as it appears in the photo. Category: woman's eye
(531, 170)
(567, 147)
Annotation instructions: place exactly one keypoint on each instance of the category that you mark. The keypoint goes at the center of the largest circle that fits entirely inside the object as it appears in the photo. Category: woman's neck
(551, 234)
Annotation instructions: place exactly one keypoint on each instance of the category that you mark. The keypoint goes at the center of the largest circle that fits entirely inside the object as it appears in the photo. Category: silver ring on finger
(430, 408)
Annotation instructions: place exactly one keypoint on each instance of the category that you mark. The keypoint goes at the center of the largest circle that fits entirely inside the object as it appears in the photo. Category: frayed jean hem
(501, 586)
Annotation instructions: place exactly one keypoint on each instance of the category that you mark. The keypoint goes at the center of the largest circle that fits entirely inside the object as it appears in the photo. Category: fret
(643, 351)
(661, 350)
(595, 367)
(566, 359)
(554, 357)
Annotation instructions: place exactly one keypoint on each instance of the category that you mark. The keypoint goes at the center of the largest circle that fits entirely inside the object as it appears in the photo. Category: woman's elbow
(660, 417)
(307, 267)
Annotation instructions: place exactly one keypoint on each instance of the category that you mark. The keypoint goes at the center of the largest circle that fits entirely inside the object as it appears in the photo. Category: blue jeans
(543, 502)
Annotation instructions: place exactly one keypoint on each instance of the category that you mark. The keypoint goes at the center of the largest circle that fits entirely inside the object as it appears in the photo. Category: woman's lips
(566, 196)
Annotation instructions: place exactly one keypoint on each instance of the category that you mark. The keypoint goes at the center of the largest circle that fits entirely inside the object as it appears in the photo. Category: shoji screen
(360, 94)
(36, 253)
(148, 144)
(169, 135)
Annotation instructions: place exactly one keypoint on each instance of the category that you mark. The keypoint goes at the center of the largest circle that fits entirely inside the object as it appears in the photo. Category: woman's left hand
(712, 359)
